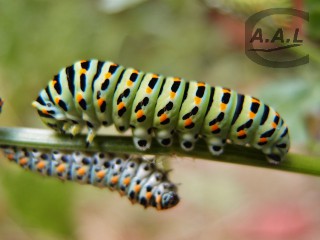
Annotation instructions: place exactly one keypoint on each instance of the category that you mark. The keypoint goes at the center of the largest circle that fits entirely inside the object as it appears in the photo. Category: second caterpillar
(138, 179)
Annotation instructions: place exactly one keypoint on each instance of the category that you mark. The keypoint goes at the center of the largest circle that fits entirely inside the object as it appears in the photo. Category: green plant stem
(46, 139)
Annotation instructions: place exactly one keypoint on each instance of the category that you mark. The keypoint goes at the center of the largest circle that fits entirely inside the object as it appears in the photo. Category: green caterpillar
(140, 180)
(94, 93)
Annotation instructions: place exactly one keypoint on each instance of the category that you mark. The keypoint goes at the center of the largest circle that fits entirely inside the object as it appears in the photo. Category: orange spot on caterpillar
(155, 76)
(241, 133)
(225, 90)
(137, 188)
(148, 90)
(121, 105)
(139, 114)
(79, 97)
(100, 174)
(176, 79)
(274, 125)
(107, 75)
(23, 161)
(83, 71)
(100, 102)
(187, 122)
(214, 127)
(197, 100)
(223, 106)
(148, 195)
(135, 71)
(61, 168)
(10, 156)
(163, 117)
(57, 99)
(201, 84)
(172, 95)
(114, 179)
(41, 165)
(81, 171)
(262, 140)
(126, 181)
(129, 83)
(252, 115)
(44, 111)
(255, 100)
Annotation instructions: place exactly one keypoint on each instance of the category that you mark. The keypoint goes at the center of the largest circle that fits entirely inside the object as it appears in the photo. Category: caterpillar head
(165, 196)
(49, 113)
(169, 200)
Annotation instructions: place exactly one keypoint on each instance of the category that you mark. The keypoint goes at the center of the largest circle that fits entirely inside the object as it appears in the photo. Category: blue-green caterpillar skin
(94, 93)
(140, 180)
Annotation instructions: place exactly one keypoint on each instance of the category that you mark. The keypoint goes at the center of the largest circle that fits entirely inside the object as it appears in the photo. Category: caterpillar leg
(66, 126)
(276, 153)
(273, 158)
(142, 138)
(72, 127)
(187, 141)
(76, 129)
(216, 145)
(164, 137)
(90, 136)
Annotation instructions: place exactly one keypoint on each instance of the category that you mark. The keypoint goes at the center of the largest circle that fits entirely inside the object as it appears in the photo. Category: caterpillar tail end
(276, 155)
(274, 159)
(277, 152)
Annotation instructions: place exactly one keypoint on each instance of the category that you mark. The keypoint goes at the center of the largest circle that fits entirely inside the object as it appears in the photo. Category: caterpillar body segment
(94, 93)
(166, 115)
(140, 180)
(142, 114)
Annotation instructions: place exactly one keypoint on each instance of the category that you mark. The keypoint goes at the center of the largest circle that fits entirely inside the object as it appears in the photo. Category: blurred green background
(201, 40)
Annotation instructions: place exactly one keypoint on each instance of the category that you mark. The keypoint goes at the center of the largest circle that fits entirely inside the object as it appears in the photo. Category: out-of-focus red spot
(275, 222)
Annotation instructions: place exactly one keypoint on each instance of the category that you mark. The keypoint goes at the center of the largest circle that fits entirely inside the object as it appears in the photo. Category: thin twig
(46, 139)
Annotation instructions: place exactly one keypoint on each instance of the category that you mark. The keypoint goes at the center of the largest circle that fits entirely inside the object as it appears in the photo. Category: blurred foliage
(181, 38)
(246, 8)
(314, 16)
(48, 206)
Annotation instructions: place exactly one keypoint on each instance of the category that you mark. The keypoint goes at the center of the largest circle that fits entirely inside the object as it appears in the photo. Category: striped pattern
(95, 93)
(140, 180)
